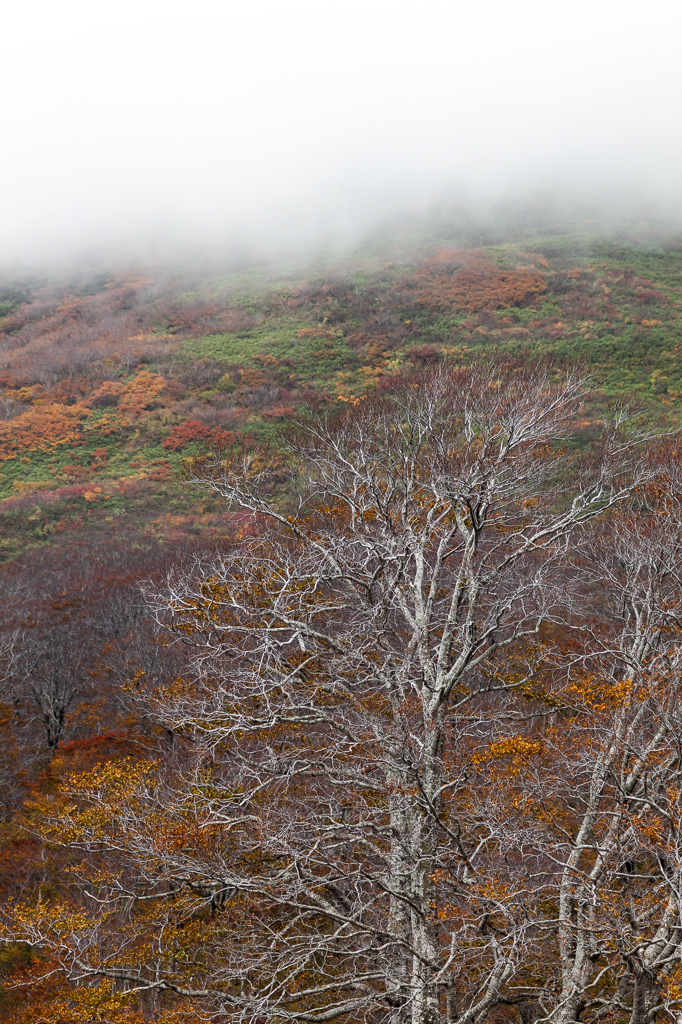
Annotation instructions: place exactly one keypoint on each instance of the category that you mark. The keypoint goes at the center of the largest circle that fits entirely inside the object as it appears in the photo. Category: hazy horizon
(151, 129)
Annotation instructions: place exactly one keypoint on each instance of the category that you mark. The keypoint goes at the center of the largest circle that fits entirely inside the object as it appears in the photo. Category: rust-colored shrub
(453, 281)
(108, 393)
(194, 430)
(222, 438)
(252, 378)
(278, 412)
(186, 433)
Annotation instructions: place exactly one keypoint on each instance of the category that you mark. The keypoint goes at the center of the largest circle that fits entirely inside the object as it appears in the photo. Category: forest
(340, 674)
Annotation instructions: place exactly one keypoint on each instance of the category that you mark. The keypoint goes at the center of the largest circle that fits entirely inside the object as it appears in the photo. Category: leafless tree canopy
(426, 764)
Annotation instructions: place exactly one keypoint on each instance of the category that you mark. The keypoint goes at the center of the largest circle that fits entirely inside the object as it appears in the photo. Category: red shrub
(194, 430)
(187, 433)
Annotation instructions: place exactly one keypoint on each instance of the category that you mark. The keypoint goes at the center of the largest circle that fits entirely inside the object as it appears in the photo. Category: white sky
(294, 121)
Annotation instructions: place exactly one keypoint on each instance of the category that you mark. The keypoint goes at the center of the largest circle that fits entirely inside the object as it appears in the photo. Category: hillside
(108, 383)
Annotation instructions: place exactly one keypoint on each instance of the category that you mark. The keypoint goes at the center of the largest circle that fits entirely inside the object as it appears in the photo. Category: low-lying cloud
(150, 126)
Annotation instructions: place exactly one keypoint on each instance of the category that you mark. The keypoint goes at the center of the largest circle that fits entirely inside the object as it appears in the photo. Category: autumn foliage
(41, 429)
(376, 721)
(407, 749)
(192, 431)
(470, 282)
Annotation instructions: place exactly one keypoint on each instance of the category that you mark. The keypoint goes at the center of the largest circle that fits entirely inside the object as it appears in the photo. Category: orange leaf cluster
(145, 391)
(133, 397)
(41, 428)
(453, 281)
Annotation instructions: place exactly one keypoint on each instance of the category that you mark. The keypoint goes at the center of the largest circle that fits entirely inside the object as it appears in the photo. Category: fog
(152, 126)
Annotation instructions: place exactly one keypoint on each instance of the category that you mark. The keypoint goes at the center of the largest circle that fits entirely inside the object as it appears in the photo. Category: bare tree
(349, 834)
(619, 925)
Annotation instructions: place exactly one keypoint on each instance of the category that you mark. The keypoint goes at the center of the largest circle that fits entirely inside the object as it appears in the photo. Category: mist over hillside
(153, 130)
